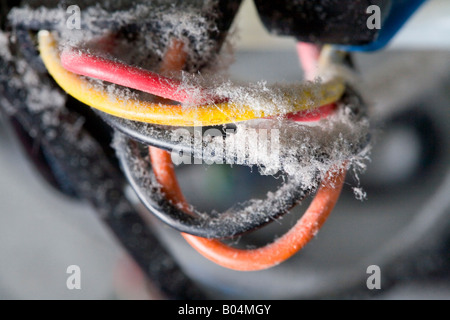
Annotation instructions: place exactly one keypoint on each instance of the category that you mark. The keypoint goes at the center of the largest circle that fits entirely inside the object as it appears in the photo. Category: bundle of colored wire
(68, 68)
(174, 115)
(254, 259)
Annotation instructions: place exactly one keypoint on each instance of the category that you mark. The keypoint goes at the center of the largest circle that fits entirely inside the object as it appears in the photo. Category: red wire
(313, 115)
(88, 65)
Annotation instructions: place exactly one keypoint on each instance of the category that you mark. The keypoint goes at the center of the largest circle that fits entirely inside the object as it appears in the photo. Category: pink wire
(308, 55)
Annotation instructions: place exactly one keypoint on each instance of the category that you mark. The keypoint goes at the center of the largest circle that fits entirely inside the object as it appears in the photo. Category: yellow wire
(173, 115)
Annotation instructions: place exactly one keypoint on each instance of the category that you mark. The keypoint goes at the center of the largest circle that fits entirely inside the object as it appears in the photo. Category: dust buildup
(141, 29)
(4, 47)
(24, 86)
(303, 151)
(267, 99)
(239, 218)
(140, 34)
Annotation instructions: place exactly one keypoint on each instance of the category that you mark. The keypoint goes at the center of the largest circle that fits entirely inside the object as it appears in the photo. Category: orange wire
(256, 259)
(174, 60)
(283, 248)
(165, 175)
(238, 259)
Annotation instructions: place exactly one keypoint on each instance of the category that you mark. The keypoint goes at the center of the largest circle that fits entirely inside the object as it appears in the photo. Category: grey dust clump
(141, 29)
(301, 150)
(38, 96)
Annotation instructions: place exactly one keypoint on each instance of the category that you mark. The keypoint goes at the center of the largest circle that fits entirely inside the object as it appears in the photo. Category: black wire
(162, 136)
(42, 161)
(88, 170)
(212, 225)
(149, 134)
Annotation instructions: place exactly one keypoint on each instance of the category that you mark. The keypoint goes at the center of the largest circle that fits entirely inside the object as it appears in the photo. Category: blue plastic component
(400, 12)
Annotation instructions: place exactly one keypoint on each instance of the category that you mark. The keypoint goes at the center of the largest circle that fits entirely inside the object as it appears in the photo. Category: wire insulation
(174, 115)
(85, 64)
(174, 60)
(309, 55)
(261, 258)
(283, 248)
(221, 113)
(133, 159)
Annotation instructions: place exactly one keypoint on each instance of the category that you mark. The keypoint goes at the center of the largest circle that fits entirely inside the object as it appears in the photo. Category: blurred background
(403, 226)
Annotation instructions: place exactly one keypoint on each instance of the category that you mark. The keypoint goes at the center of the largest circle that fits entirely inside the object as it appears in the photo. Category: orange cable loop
(238, 259)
